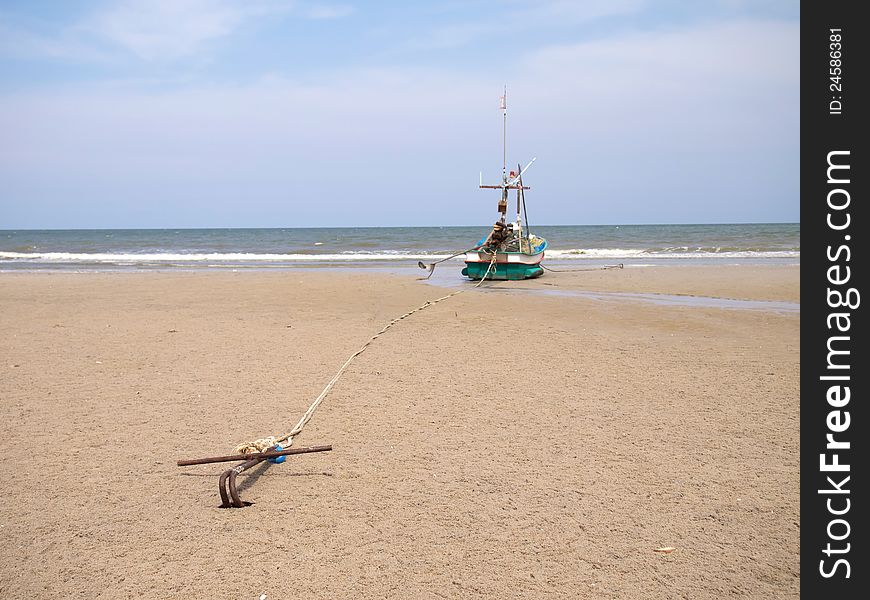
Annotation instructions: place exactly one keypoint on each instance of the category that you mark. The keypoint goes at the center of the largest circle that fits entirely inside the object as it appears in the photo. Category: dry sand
(459, 470)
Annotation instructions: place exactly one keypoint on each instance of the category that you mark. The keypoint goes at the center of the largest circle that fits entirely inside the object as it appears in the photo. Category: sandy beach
(520, 441)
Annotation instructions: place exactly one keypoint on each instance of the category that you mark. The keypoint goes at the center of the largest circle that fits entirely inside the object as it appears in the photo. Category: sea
(387, 247)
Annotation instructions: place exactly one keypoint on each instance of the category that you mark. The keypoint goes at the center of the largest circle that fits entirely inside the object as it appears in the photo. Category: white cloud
(167, 29)
(154, 30)
(325, 11)
(574, 12)
(21, 43)
(514, 21)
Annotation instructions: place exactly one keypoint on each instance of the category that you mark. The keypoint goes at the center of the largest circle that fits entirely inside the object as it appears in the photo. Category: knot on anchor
(260, 445)
(278, 459)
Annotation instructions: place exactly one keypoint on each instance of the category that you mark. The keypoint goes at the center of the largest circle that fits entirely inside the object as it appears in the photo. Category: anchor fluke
(430, 266)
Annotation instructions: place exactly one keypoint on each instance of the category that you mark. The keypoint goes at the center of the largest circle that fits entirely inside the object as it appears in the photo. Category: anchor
(227, 483)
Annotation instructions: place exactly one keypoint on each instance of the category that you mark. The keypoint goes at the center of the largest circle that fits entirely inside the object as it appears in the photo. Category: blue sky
(216, 113)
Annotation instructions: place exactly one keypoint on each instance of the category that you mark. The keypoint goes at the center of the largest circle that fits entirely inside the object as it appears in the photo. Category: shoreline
(669, 280)
(392, 264)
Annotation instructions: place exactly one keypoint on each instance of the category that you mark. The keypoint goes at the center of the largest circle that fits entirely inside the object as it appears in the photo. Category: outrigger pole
(227, 482)
(249, 456)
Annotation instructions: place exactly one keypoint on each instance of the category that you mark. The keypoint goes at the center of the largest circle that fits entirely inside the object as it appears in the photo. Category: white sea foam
(238, 257)
(242, 257)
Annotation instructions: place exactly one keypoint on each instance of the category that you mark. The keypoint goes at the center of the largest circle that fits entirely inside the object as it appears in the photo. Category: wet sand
(508, 444)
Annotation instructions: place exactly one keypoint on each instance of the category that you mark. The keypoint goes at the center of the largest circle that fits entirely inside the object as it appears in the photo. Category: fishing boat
(510, 250)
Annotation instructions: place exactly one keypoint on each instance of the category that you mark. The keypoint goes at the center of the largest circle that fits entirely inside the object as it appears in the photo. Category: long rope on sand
(285, 440)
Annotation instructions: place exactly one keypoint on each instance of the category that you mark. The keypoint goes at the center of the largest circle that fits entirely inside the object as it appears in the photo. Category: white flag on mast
(502, 103)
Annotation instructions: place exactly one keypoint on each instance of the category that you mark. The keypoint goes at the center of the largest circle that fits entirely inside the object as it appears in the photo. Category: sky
(270, 113)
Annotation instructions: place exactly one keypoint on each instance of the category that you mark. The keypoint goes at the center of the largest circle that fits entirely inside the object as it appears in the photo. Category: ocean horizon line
(686, 224)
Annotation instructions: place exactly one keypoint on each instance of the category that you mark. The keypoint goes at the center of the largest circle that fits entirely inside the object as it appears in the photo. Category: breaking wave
(248, 258)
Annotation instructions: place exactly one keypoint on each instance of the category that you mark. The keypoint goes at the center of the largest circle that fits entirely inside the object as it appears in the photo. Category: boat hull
(502, 271)
(508, 265)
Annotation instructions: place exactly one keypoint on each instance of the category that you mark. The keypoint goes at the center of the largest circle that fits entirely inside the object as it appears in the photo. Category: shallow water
(678, 300)
(445, 278)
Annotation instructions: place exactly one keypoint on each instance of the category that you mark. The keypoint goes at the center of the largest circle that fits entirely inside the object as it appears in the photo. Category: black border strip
(833, 260)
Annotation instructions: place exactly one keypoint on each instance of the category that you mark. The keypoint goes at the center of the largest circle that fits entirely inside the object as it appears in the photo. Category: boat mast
(504, 179)
(508, 182)
(519, 205)
(504, 136)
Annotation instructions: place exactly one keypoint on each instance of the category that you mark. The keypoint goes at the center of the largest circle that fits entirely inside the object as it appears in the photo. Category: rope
(431, 266)
(604, 268)
(262, 444)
